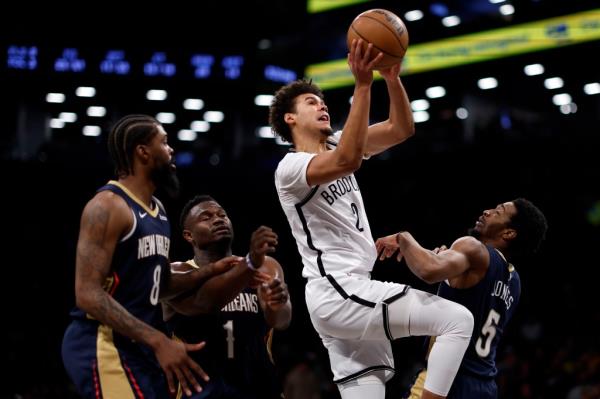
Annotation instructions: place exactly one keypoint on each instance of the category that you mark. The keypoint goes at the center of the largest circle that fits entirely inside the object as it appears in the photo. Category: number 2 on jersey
(488, 332)
(357, 213)
(229, 328)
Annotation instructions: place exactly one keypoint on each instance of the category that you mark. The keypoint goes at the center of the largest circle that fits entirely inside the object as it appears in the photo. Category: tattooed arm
(105, 219)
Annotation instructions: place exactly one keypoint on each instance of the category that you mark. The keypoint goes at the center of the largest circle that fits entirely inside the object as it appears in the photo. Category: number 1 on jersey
(229, 328)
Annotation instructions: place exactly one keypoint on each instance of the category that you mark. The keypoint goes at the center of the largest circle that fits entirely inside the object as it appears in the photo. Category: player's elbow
(403, 132)
(88, 299)
(83, 303)
(430, 275)
(350, 163)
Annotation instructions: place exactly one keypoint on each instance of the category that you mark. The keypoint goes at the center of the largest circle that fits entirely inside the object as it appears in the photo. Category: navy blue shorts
(105, 366)
(467, 386)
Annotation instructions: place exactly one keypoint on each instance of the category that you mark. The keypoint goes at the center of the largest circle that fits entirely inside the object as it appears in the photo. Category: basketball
(385, 30)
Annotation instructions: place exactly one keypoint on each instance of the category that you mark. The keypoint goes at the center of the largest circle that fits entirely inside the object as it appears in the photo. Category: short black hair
(125, 135)
(190, 204)
(531, 226)
(283, 102)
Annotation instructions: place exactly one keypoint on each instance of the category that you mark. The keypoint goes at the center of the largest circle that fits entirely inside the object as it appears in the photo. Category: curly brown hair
(284, 102)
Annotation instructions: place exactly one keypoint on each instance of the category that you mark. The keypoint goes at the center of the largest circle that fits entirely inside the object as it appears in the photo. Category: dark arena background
(513, 111)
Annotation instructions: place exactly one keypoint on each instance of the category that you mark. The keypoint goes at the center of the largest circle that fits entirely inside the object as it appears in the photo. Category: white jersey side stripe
(311, 245)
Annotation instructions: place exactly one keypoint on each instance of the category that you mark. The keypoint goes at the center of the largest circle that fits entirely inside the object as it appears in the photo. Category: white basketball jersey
(328, 221)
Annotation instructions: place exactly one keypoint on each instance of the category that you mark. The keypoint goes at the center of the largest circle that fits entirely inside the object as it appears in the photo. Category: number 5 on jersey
(488, 332)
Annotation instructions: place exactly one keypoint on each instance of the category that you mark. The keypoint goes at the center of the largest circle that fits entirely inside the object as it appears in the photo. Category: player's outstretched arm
(348, 154)
(185, 278)
(433, 266)
(400, 124)
(221, 289)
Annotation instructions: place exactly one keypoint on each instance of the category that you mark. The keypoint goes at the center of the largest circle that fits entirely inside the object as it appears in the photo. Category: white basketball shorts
(350, 313)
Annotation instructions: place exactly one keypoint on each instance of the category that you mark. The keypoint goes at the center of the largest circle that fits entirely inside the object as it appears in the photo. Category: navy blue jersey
(492, 301)
(100, 361)
(237, 351)
(140, 263)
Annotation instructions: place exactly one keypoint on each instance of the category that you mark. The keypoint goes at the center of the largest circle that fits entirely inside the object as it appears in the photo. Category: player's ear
(509, 234)
(289, 118)
(142, 151)
(187, 235)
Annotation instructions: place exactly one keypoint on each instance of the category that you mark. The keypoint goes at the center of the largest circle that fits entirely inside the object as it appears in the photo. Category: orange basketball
(385, 30)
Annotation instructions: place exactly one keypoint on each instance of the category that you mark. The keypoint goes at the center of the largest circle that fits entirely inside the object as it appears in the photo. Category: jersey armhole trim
(132, 228)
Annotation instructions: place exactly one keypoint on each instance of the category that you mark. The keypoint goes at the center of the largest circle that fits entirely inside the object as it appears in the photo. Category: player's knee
(460, 322)
(464, 322)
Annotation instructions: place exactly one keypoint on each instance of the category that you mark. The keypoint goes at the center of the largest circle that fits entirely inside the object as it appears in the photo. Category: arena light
(553, 83)
(487, 83)
(85, 91)
(92, 130)
(200, 126)
(421, 116)
(55, 98)
(533, 69)
(450, 21)
(507, 9)
(462, 113)
(214, 116)
(413, 15)
(263, 100)
(435, 92)
(68, 117)
(96, 111)
(187, 135)
(165, 117)
(561, 99)
(193, 104)
(592, 88)
(265, 132)
(419, 105)
(570, 108)
(156, 95)
(56, 123)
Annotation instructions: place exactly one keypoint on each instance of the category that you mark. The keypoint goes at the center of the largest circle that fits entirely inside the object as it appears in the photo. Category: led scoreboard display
(140, 62)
